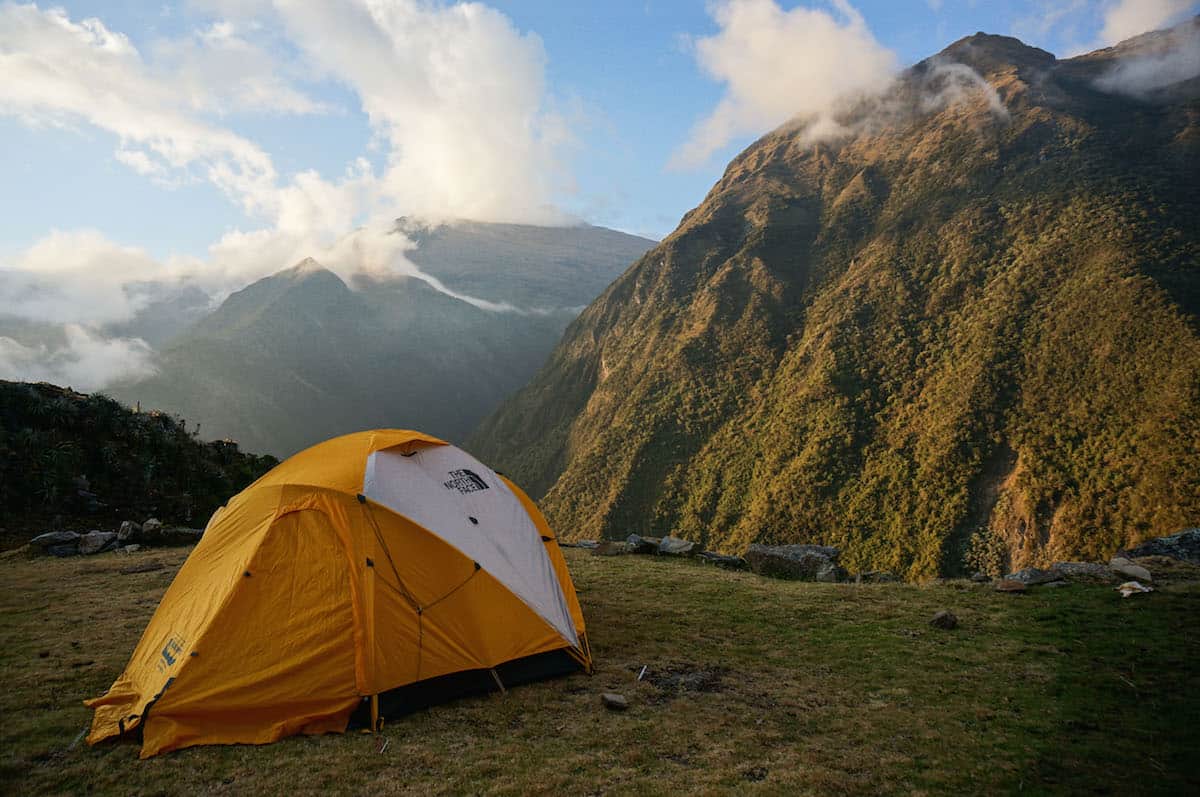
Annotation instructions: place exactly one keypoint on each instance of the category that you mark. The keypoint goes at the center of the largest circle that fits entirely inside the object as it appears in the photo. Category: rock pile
(797, 562)
(128, 537)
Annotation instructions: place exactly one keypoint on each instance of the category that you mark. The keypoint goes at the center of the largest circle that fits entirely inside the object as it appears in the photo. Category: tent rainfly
(366, 577)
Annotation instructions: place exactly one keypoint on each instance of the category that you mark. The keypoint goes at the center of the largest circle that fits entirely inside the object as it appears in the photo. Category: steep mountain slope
(966, 330)
(301, 356)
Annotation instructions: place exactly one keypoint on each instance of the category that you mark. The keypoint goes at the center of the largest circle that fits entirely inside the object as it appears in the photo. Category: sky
(222, 140)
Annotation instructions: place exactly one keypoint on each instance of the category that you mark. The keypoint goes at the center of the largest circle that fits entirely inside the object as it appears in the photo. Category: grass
(752, 685)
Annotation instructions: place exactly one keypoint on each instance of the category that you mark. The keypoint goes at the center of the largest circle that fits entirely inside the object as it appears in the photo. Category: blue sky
(622, 90)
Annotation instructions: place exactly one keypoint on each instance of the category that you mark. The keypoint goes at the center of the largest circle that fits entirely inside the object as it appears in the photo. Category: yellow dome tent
(367, 576)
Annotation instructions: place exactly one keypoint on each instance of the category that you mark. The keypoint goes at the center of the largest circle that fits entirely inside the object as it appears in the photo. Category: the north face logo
(465, 481)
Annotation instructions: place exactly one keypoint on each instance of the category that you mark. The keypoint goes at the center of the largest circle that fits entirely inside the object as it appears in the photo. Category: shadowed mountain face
(962, 334)
(301, 356)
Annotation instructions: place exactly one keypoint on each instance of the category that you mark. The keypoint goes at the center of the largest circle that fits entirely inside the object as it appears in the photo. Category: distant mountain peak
(988, 53)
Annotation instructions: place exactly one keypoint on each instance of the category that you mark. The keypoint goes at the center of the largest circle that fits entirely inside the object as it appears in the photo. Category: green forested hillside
(964, 334)
(87, 458)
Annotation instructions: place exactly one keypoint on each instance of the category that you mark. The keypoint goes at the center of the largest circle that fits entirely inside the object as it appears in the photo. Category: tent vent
(246, 574)
(362, 499)
(370, 562)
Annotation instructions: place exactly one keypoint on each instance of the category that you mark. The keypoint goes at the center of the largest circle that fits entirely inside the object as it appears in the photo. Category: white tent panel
(455, 496)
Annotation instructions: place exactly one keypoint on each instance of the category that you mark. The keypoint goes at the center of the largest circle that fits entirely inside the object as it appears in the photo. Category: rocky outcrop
(796, 562)
(96, 541)
(1184, 546)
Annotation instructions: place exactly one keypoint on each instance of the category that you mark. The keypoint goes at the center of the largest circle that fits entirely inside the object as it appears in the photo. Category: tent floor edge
(410, 698)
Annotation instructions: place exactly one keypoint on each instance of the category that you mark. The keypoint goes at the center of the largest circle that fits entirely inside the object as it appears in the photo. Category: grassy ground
(753, 685)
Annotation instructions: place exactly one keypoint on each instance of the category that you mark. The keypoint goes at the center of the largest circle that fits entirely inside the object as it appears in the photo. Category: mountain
(963, 334)
(302, 355)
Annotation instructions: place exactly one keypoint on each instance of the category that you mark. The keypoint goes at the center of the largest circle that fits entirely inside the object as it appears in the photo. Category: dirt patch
(673, 680)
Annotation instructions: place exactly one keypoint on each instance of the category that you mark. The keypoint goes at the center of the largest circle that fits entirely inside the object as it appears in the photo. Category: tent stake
(496, 677)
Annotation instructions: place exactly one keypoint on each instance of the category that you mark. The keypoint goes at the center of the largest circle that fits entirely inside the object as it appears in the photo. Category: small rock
(980, 578)
(1008, 585)
(52, 538)
(641, 545)
(1128, 569)
(1033, 576)
(1132, 588)
(151, 529)
(673, 546)
(611, 548)
(614, 702)
(944, 619)
(129, 531)
(96, 541)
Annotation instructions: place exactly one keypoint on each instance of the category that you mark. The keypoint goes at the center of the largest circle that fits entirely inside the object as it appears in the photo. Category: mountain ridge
(873, 341)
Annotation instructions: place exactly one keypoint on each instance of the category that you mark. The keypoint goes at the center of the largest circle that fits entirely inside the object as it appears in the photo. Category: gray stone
(151, 529)
(96, 541)
(614, 702)
(1032, 576)
(611, 548)
(1184, 546)
(641, 545)
(129, 531)
(54, 538)
(134, 548)
(179, 535)
(945, 620)
(673, 546)
(1120, 564)
(1083, 571)
(1008, 585)
(798, 562)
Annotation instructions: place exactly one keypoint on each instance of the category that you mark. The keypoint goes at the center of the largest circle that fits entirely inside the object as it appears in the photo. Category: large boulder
(1083, 571)
(673, 546)
(1184, 546)
(796, 562)
(129, 531)
(55, 539)
(96, 541)
(1128, 569)
(151, 530)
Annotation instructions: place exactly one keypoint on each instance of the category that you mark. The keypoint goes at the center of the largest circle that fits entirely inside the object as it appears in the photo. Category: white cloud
(77, 276)
(59, 71)
(88, 361)
(1177, 58)
(457, 92)
(1128, 18)
(778, 65)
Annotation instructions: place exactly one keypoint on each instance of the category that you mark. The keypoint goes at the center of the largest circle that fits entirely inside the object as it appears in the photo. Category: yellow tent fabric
(304, 596)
